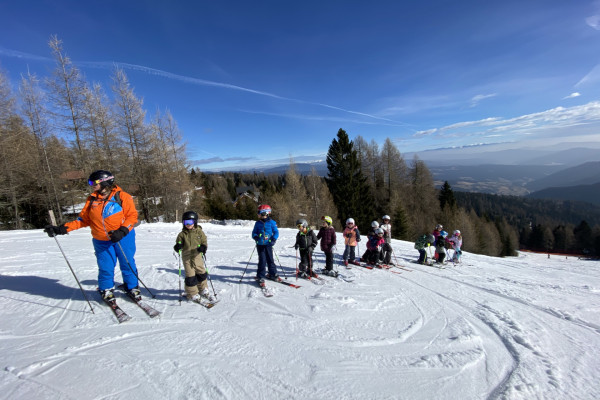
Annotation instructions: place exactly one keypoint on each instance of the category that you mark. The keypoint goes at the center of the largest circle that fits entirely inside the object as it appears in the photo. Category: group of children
(379, 243)
(306, 241)
(191, 243)
(439, 239)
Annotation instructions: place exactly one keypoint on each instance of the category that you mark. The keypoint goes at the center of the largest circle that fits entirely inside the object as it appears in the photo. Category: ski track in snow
(488, 328)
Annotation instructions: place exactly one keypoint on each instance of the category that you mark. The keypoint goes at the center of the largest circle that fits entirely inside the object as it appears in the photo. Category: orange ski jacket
(105, 214)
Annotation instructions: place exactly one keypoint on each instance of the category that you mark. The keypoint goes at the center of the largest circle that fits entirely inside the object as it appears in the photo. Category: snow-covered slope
(516, 328)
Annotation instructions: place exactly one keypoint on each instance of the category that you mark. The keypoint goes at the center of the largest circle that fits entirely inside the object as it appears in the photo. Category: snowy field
(517, 328)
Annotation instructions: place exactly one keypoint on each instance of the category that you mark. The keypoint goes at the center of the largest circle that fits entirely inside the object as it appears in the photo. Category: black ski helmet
(103, 177)
(190, 215)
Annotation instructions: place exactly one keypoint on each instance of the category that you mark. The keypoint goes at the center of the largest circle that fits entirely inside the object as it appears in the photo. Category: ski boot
(108, 295)
(208, 296)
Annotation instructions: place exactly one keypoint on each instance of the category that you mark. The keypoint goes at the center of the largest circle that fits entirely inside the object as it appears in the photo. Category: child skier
(370, 234)
(421, 244)
(328, 240)
(387, 235)
(436, 233)
(306, 241)
(456, 242)
(351, 239)
(265, 234)
(374, 247)
(440, 247)
(191, 243)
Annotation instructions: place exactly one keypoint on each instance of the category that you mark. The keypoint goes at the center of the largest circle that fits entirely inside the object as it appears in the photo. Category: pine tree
(346, 182)
(401, 225)
(584, 238)
(446, 196)
(422, 202)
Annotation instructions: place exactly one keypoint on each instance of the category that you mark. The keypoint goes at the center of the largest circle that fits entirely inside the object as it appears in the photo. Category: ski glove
(177, 247)
(52, 230)
(118, 234)
(272, 242)
(202, 249)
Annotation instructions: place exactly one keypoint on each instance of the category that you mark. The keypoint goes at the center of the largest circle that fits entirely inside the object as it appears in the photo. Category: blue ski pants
(107, 254)
(265, 260)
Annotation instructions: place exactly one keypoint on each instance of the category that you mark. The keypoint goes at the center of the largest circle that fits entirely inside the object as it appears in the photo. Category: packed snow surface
(526, 327)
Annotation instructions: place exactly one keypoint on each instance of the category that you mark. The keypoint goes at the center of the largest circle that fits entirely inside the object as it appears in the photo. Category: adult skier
(110, 213)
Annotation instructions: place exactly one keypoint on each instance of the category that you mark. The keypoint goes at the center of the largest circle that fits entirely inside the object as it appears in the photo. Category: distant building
(246, 194)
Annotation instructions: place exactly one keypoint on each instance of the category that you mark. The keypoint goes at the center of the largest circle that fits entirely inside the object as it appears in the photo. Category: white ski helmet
(374, 224)
(349, 221)
(386, 217)
(379, 231)
(302, 223)
(456, 232)
(439, 227)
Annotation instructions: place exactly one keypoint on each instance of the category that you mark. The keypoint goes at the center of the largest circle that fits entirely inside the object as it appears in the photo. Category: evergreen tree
(346, 182)
(446, 196)
(401, 225)
(584, 240)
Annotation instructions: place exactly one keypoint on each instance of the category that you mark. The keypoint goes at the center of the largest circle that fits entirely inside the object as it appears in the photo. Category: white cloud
(475, 100)
(572, 95)
(190, 80)
(426, 133)
(593, 21)
(559, 117)
(591, 77)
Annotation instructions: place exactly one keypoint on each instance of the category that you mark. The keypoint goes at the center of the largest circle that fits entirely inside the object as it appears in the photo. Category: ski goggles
(189, 222)
(300, 226)
(264, 213)
(97, 181)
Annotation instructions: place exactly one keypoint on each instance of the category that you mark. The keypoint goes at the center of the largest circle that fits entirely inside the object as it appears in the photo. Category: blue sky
(250, 83)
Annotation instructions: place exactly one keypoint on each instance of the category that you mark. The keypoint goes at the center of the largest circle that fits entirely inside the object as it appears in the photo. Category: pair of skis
(121, 315)
(268, 292)
(345, 277)
(204, 302)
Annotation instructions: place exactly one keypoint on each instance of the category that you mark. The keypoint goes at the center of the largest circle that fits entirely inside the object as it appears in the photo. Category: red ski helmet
(264, 209)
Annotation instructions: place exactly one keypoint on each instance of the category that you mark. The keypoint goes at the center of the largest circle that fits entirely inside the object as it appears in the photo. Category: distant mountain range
(584, 174)
(563, 171)
(587, 193)
(564, 154)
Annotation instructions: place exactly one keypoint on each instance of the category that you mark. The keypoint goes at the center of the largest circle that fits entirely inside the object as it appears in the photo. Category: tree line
(55, 130)
(544, 225)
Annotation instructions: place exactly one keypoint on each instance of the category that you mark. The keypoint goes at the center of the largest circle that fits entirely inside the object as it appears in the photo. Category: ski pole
(134, 272)
(244, 273)
(282, 270)
(75, 276)
(179, 277)
(335, 254)
(318, 264)
(209, 278)
(394, 254)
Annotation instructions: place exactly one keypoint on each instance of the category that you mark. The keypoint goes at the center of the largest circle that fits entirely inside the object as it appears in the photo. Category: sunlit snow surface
(518, 328)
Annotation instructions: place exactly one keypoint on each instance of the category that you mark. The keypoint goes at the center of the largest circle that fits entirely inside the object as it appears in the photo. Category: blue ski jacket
(265, 233)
